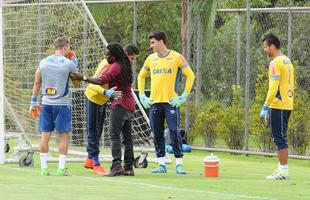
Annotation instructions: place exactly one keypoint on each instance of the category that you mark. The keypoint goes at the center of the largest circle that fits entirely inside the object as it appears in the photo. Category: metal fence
(226, 65)
(230, 72)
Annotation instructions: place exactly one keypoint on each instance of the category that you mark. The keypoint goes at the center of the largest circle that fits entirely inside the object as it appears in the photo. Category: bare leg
(283, 156)
(63, 150)
(63, 143)
(45, 137)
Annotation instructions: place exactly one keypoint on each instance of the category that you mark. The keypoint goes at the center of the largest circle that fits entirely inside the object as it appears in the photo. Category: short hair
(272, 39)
(159, 35)
(131, 49)
(60, 42)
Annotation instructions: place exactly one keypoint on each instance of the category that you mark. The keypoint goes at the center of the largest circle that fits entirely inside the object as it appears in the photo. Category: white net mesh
(29, 32)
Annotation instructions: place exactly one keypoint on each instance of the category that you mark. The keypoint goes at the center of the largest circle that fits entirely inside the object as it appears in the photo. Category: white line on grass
(154, 186)
(182, 189)
(48, 186)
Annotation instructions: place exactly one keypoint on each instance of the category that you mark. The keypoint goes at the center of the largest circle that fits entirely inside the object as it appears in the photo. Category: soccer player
(279, 101)
(165, 67)
(96, 98)
(119, 74)
(53, 76)
(132, 52)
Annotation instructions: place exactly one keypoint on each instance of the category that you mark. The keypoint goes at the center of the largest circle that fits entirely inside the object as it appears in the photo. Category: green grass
(241, 177)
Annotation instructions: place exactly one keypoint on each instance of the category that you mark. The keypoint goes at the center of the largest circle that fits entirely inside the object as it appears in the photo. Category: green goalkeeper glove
(177, 101)
(113, 93)
(146, 102)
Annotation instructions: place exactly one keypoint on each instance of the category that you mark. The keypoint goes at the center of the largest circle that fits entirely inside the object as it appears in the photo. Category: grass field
(241, 177)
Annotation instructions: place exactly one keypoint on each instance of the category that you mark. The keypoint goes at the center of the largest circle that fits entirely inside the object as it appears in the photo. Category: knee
(174, 131)
(281, 143)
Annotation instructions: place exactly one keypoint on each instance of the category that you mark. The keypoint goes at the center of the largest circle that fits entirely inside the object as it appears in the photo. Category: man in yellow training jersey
(97, 97)
(165, 67)
(279, 101)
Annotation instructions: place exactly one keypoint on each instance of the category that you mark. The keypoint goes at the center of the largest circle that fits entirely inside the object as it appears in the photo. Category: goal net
(29, 29)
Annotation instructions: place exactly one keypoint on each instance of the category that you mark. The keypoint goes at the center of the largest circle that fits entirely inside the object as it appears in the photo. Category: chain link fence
(214, 42)
(225, 84)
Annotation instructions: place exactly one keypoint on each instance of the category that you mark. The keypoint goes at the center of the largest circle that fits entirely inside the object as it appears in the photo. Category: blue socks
(96, 160)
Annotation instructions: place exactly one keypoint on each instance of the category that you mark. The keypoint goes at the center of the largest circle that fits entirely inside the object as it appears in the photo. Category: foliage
(223, 69)
(116, 22)
(299, 124)
(231, 125)
(206, 123)
(240, 3)
(193, 111)
(265, 3)
(298, 127)
(262, 137)
(219, 57)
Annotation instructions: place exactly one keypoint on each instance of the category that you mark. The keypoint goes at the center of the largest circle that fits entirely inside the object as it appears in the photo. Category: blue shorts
(278, 127)
(55, 117)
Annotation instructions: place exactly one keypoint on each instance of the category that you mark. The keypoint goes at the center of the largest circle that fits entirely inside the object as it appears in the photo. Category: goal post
(28, 33)
(1, 90)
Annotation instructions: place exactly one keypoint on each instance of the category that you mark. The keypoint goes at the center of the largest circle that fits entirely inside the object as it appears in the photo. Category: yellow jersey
(165, 74)
(281, 84)
(93, 92)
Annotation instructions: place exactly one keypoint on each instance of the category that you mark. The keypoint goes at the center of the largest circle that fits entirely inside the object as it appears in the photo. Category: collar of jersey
(163, 56)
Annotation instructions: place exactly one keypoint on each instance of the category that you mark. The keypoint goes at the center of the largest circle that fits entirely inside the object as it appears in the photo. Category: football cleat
(278, 175)
(160, 169)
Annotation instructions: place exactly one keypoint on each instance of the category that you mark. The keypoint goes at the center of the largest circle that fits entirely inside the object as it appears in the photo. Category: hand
(76, 76)
(35, 107)
(146, 102)
(177, 101)
(113, 93)
(264, 112)
(266, 121)
(72, 56)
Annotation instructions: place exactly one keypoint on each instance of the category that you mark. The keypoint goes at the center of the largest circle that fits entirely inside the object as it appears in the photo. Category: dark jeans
(95, 119)
(158, 113)
(120, 122)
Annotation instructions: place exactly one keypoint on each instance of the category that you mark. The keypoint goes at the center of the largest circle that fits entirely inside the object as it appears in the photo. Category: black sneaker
(128, 171)
(116, 170)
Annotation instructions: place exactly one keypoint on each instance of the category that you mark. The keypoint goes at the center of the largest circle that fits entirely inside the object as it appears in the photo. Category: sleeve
(188, 73)
(274, 80)
(73, 67)
(182, 62)
(190, 77)
(142, 75)
(111, 74)
(101, 65)
(147, 64)
(40, 65)
(96, 88)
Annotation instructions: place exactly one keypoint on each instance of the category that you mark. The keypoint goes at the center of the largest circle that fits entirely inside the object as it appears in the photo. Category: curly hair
(126, 71)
